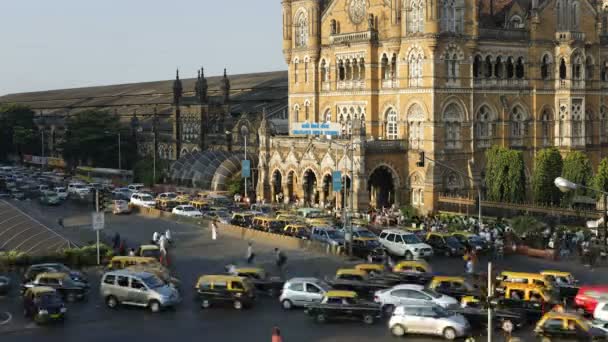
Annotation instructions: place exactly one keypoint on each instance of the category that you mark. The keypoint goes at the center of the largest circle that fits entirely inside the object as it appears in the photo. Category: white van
(401, 243)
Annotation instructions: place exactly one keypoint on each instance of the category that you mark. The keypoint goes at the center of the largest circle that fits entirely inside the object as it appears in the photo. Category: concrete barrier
(278, 240)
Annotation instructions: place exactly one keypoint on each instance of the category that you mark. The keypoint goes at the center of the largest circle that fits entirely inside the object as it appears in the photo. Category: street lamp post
(42, 148)
(119, 154)
(565, 185)
(244, 133)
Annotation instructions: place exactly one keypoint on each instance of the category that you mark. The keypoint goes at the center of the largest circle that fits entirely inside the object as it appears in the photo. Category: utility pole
(97, 230)
(490, 294)
(119, 154)
(352, 200)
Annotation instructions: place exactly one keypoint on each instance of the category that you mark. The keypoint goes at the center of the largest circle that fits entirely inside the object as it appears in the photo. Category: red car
(588, 297)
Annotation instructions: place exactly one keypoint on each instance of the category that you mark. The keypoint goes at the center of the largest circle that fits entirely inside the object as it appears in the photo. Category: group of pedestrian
(163, 241)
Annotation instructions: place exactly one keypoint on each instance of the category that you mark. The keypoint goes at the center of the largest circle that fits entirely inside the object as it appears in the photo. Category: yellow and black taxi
(242, 219)
(166, 204)
(557, 326)
(344, 305)
(371, 268)
(471, 241)
(148, 251)
(260, 279)
(525, 278)
(69, 289)
(122, 262)
(533, 300)
(564, 282)
(445, 244)
(268, 224)
(456, 287)
(351, 279)
(297, 230)
(225, 289)
(367, 246)
(413, 272)
(200, 204)
(43, 304)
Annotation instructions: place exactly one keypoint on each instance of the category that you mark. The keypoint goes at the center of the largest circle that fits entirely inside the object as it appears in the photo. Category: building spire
(226, 88)
(177, 89)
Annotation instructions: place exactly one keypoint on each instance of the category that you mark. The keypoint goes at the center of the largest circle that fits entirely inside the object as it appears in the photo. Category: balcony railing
(567, 36)
(502, 34)
(364, 36)
(498, 82)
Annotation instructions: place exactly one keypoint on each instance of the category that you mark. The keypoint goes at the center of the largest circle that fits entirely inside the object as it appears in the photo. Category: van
(121, 262)
(138, 289)
(402, 243)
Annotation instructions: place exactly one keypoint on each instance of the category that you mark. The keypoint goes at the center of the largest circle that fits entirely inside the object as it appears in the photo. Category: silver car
(428, 320)
(302, 292)
(138, 289)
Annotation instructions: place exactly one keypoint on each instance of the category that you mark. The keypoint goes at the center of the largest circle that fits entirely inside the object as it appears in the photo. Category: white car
(135, 187)
(78, 189)
(601, 312)
(428, 320)
(408, 294)
(143, 200)
(186, 210)
(402, 243)
(302, 291)
(61, 192)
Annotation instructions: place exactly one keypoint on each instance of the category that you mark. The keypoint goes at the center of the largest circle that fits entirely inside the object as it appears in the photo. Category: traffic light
(420, 162)
(101, 199)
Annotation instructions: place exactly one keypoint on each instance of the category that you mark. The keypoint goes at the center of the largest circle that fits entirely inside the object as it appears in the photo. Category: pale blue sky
(52, 44)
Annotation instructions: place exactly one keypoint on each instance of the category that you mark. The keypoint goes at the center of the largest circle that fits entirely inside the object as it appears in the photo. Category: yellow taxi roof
(353, 271)
(149, 247)
(556, 273)
(38, 290)
(414, 263)
(448, 278)
(438, 234)
(249, 270)
(568, 315)
(341, 294)
(521, 286)
(469, 299)
(133, 258)
(521, 274)
(52, 275)
(218, 277)
(299, 225)
(369, 267)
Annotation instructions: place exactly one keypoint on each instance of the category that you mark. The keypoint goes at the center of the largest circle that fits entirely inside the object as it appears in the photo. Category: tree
(505, 177)
(92, 139)
(235, 184)
(600, 181)
(547, 166)
(18, 133)
(577, 168)
(143, 171)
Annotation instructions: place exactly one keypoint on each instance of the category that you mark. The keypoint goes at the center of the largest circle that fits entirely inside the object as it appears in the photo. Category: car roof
(216, 277)
(38, 290)
(351, 271)
(397, 231)
(305, 279)
(557, 273)
(48, 264)
(52, 275)
(408, 287)
(342, 294)
(149, 247)
(448, 278)
(249, 270)
(129, 273)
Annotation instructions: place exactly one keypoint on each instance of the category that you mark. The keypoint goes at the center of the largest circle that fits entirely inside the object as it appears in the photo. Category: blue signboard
(246, 169)
(315, 128)
(336, 177)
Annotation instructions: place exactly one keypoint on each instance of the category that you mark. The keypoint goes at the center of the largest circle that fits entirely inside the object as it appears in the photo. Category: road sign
(98, 221)
(315, 128)
(336, 178)
(246, 169)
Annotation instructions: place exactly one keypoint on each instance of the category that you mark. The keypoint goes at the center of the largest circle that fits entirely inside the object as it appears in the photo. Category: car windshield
(62, 268)
(188, 208)
(171, 195)
(153, 282)
(151, 253)
(475, 238)
(147, 198)
(50, 299)
(366, 234)
(324, 286)
(431, 293)
(334, 234)
(276, 224)
(411, 239)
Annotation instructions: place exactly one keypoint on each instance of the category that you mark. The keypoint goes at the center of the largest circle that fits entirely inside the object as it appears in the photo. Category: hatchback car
(302, 291)
(186, 211)
(137, 289)
(428, 320)
(143, 200)
(401, 243)
(408, 294)
(34, 270)
(555, 326)
(218, 289)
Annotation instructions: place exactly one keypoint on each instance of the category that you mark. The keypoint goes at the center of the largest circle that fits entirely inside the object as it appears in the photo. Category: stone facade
(450, 78)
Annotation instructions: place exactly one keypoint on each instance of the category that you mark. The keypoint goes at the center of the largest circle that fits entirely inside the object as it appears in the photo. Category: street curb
(5, 318)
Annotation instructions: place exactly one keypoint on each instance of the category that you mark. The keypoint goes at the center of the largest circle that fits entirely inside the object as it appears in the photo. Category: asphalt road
(194, 254)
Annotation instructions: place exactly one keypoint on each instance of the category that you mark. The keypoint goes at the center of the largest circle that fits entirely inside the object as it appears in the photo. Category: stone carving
(357, 10)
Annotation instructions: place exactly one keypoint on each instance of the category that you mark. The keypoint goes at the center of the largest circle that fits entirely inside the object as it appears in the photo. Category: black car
(456, 287)
(5, 285)
(34, 270)
(370, 250)
(43, 304)
(531, 310)
(69, 289)
(344, 305)
(445, 244)
(260, 280)
(472, 242)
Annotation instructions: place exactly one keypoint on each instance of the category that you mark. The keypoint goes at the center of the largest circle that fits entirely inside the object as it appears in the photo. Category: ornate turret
(225, 88)
(177, 89)
(201, 87)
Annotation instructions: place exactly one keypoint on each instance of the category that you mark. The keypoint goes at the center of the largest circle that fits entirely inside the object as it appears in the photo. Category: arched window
(577, 67)
(302, 29)
(575, 15)
(604, 72)
(394, 67)
(520, 68)
(510, 68)
(391, 124)
(452, 118)
(307, 111)
(296, 113)
(589, 69)
(349, 70)
(516, 22)
(477, 65)
(415, 17)
(341, 71)
(547, 127)
(544, 67)
(518, 126)
(484, 127)
(498, 68)
(448, 16)
(452, 65)
(488, 67)
(362, 69)
(415, 120)
(327, 116)
(562, 69)
(324, 71)
(578, 137)
(415, 68)
(296, 66)
(384, 68)
(563, 114)
(604, 124)
(306, 71)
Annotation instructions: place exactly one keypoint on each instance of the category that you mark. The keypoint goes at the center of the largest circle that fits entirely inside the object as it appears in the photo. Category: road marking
(8, 316)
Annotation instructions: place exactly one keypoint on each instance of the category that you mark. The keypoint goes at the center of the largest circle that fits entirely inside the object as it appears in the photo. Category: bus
(104, 176)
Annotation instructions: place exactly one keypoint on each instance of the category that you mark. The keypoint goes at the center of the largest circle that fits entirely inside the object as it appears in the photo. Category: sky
(55, 44)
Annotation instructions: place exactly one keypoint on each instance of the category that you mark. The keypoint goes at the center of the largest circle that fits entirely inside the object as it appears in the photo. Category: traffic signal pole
(97, 230)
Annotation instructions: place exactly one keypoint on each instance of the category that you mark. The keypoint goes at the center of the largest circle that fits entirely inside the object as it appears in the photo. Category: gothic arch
(410, 107)
(312, 167)
(490, 106)
(524, 110)
(452, 47)
(392, 169)
(547, 54)
(415, 180)
(458, 102)
(549, 108)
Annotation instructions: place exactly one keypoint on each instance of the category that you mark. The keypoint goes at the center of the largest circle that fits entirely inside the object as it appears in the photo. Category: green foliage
(526, 224)
(600, 181)
(505, 177)
(408, 212)
(577, 169)
(547, 166)
(144, 171)
(92, 139)
(18, 134)
(75, 257)
(236, 184)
